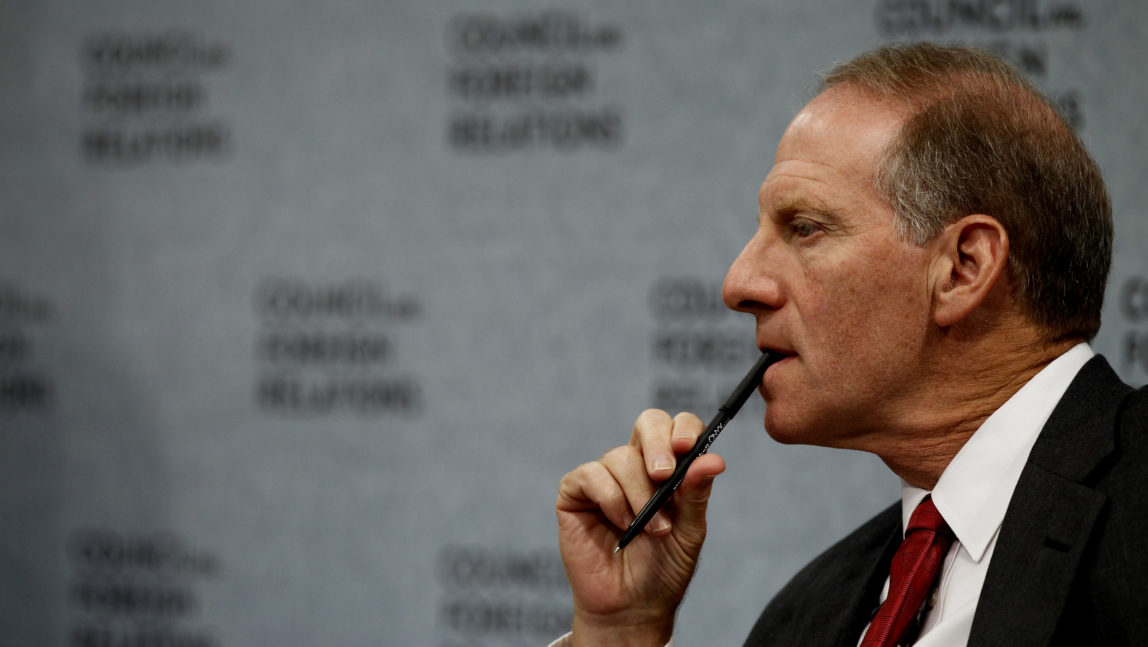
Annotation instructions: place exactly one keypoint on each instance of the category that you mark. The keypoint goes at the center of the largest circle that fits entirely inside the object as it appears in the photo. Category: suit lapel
(1051, 516)
(1035, 560)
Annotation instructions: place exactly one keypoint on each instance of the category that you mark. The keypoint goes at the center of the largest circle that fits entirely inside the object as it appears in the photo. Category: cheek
(841, 307)
(865, 320)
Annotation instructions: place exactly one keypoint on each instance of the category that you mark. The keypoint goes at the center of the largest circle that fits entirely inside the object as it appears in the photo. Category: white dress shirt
(974, 491)
(973, 494)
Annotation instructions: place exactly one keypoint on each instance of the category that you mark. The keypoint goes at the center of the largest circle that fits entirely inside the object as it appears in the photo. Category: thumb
(692, 498)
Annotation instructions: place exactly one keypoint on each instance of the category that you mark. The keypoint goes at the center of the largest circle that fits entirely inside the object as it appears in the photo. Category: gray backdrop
(305, 308)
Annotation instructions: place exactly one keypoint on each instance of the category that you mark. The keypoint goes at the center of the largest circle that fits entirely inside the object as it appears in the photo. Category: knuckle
(619, 455)
(651, 418)
(688, 420)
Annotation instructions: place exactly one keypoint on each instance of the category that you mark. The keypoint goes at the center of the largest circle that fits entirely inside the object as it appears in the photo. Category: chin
(794, 432)
(787, 439)
(780, 431)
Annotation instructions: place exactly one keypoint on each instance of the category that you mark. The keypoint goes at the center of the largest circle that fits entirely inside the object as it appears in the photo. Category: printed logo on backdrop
(137, 589)
(330, 348)
(501, 597)
(1013, 29)
(695, 337)
(146, 98)
(524, 81)
(1133, 298)
(25, 388)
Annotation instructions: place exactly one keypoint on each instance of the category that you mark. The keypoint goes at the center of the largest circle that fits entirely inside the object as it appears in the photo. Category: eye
(802, 228)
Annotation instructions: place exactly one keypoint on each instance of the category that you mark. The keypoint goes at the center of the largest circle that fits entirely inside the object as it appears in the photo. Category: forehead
(830, 150)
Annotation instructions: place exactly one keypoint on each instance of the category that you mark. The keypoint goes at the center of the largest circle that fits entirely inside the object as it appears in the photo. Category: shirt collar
(974, 490)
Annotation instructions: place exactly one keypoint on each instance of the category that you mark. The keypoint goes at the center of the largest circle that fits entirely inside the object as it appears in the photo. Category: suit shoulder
(860, 546)
(830, 599)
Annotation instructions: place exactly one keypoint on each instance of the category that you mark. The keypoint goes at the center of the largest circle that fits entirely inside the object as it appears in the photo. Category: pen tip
(616, 549)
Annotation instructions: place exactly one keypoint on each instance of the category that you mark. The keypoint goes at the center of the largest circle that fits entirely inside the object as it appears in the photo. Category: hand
(630, 598)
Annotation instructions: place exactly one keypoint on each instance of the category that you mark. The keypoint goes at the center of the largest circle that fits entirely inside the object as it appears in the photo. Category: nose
(750, 285)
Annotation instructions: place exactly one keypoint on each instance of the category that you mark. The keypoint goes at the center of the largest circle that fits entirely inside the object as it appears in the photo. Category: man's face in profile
(830, 283)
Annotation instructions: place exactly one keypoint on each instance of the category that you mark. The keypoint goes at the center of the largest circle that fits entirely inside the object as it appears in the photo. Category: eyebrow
(797, 204)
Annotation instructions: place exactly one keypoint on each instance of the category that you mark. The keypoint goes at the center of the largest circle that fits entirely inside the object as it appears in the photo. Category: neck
(968, 381)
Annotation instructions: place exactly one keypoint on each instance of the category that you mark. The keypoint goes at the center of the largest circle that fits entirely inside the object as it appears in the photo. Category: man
(931, 256)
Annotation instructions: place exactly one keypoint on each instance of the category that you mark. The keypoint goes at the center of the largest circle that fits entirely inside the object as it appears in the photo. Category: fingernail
(663, 464)
(682, 433)
(660, 523)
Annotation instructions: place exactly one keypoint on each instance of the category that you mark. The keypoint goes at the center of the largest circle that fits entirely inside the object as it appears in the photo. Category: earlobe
(972, 254)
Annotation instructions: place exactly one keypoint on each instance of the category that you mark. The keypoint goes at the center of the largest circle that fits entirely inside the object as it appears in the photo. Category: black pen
(725, 413)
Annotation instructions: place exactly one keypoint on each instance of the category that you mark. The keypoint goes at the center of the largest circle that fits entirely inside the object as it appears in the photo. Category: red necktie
(911, 575)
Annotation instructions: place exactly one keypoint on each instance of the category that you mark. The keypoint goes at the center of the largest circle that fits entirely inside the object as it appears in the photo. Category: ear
(971, 257)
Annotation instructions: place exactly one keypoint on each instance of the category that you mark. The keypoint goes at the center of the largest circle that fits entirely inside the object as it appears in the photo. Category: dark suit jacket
(1071, 562)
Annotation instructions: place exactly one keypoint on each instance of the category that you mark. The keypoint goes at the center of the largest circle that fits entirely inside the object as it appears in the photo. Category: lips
(777, 349)
(787, 355)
